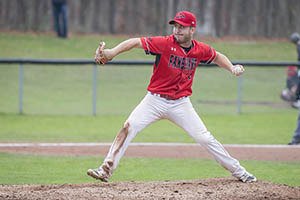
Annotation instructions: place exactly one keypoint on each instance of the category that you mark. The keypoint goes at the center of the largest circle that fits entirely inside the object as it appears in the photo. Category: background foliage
(255, 18)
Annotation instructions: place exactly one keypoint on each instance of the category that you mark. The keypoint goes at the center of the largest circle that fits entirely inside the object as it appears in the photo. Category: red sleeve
(153, 45)
(208, 54)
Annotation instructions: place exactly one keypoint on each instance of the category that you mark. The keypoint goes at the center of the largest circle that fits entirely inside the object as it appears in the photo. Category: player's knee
(126, 126)
(131, 124)
(204, 138)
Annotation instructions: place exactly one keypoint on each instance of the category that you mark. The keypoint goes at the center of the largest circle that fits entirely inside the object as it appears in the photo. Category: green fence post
(95, 90)
(239, 100)
(21, 78)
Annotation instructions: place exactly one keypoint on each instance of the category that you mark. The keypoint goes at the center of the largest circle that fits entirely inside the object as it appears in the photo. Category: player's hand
(100, 57)
(237, 70)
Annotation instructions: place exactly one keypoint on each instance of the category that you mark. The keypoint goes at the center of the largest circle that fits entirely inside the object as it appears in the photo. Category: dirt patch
(214, 188)
(287, 153)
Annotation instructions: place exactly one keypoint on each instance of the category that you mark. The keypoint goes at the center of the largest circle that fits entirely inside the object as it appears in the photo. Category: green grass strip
(32, 169)
(276, 128)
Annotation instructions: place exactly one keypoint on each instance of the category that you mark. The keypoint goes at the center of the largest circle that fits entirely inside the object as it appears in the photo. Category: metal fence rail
(128, 62)
(22, 61)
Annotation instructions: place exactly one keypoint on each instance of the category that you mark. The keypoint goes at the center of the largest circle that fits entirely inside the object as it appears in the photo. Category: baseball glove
(99, 54)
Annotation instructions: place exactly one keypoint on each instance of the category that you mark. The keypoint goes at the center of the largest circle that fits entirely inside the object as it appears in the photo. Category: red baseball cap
(184, 18)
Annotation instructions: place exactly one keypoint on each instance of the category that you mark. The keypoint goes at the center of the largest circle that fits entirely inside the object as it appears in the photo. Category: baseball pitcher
(168, 94)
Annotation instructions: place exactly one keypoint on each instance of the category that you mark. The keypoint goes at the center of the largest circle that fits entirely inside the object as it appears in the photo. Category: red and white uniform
(174, 69)
(168, 98)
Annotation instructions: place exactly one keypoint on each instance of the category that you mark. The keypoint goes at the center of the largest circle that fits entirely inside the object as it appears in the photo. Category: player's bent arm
(225, 63)
(122, 47)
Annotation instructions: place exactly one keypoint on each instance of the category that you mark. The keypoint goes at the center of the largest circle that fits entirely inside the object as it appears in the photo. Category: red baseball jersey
(174, 69)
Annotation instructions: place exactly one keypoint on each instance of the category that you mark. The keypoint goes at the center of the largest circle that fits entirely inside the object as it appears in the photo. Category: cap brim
(179, 22)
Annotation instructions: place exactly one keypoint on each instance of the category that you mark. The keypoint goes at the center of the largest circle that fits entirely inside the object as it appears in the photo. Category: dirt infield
(241, 152)
(213, 188)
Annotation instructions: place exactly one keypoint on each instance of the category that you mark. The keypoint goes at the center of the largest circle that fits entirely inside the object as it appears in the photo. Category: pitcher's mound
(213, 188)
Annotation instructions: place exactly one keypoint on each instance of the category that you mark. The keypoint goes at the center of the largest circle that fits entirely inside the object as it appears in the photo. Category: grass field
(228, 129)
(60, 170)
(58, 104)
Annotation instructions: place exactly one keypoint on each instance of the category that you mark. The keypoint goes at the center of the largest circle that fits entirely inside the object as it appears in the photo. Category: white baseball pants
(153, 108)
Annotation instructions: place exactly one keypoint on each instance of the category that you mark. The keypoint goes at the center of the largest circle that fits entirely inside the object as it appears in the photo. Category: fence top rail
(128, 62)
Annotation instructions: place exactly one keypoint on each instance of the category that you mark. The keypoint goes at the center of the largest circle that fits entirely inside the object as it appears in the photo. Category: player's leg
(143, 115)
(296, 137)
(56, 18)
(185, 116)
(64, 21)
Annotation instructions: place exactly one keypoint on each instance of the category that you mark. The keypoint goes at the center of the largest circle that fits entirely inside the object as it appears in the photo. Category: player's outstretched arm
(102, 55)
(225, 63)
(122, 47)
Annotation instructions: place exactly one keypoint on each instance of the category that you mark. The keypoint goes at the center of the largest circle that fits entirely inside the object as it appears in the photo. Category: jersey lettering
(180, 62)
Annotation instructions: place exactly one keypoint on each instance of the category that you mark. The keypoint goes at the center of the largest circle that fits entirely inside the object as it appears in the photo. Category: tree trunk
(255, 18)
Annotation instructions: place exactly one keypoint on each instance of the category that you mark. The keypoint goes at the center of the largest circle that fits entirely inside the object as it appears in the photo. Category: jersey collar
(175, 41)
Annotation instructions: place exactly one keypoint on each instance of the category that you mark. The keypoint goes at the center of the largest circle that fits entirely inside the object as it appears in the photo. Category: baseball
(237, 70)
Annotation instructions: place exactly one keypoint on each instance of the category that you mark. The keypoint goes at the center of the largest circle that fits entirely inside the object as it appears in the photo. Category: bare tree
(265, 18)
